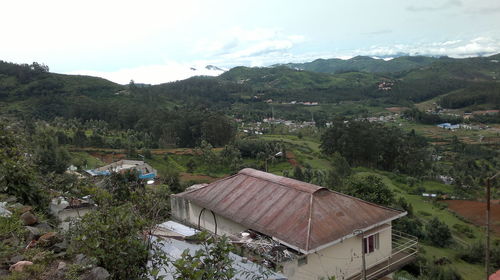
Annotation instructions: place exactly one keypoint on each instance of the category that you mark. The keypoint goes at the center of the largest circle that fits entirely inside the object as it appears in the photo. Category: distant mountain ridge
(364, 64)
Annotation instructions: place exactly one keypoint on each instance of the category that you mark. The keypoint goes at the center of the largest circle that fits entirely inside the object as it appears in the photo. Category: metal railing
(404, 249)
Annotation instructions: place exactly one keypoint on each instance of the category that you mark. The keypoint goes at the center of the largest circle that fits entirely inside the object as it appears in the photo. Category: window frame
(371, 243)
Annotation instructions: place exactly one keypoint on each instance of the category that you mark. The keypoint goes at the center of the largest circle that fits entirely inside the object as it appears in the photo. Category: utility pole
(488, 217)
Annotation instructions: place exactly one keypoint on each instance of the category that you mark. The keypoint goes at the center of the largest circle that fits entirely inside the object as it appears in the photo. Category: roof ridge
(251, 172)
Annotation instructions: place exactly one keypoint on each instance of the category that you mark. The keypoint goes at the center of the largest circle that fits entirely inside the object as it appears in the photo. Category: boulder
(20, 266)
(59, 247)
(81, 259)
(4, 212)
(29, 219)
(48, 239)
(44, 227)
(97, 273)
(61, 266)
(33, 233)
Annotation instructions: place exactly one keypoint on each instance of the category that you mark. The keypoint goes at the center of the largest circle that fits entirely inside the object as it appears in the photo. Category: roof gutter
(352, 234)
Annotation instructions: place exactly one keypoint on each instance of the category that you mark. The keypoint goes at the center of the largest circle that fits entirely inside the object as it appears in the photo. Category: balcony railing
(404, 251)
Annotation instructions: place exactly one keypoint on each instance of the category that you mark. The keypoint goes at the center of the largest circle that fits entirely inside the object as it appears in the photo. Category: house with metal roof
(306, 231)
(145, 170)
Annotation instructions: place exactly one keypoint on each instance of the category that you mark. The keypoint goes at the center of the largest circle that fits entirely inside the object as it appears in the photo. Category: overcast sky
(159, 41)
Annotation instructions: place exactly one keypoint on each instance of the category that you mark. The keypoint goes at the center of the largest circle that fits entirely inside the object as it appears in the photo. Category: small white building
(320, 233)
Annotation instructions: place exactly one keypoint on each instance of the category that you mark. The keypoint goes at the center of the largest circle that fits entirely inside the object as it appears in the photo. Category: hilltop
(364, 64)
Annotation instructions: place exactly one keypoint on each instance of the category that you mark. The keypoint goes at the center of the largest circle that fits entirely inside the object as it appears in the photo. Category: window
(371, 243)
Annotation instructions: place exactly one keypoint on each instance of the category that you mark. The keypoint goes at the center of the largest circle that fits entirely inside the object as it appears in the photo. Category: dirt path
(475, 212)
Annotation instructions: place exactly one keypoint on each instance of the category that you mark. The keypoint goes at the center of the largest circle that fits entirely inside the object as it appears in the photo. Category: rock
(61, 255)
(44, 227)
(48, 239)
(81, 259)
(59, 247)
(29, 219)
(33, 233)
(3, 210)
(11, 199)
(97, 273)
(61, 266)
(25, 209)
(20, 266)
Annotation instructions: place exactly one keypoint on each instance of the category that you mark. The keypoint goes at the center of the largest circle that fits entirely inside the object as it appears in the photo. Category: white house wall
(341, 260)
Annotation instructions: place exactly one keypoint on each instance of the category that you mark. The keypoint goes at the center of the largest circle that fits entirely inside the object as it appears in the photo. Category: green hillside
(364, 64)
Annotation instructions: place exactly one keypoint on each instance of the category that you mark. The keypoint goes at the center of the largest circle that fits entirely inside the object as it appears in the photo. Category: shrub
(464, 229)
(438, 233)
(112, 237)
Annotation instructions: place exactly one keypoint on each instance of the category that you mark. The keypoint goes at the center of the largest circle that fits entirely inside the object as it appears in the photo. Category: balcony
(404, 251)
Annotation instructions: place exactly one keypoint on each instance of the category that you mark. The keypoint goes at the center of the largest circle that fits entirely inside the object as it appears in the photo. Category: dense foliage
(375, 145)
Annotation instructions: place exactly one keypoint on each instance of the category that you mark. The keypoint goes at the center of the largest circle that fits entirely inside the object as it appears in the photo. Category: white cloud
(238, 46)
(446, 5)
(154, 74)
(453, 48)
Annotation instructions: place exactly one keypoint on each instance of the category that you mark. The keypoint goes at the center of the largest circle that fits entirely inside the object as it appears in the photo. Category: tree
(18, 176)
(80, 139)
(50, 157)
(218, 130)
(298, 174)
(212, 261)
(231, 157)
(339, 172)
(112, 237)
(122, 186)
(438, 233)
(370, 188)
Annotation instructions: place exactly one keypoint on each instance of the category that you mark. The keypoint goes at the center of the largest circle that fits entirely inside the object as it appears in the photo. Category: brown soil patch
(475, 212)
(185, 177)
(108, 157)
(397, 109)
(291, 159)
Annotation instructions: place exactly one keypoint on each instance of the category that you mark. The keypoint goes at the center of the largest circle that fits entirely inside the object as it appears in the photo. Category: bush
(438, 233)
(464, 229)
(111, 236)
(370, 188)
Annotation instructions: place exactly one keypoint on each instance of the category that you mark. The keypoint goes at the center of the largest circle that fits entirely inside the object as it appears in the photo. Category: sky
(160, 41)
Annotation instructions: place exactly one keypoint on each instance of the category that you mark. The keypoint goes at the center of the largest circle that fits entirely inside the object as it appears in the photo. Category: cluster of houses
(144, 170)
(305, 103)
(450, 126)
(259, 128)
(383, 118)
(385, 86)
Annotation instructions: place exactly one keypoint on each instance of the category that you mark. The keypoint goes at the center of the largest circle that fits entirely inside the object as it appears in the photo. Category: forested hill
(364, 64)
(472, 83)
(475, 81)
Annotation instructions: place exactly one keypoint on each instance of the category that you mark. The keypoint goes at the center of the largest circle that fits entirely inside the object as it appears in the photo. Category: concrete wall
(188, 213)
(341, 260)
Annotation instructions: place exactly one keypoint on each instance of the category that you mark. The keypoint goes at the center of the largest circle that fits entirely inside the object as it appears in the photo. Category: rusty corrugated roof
(301, 215)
